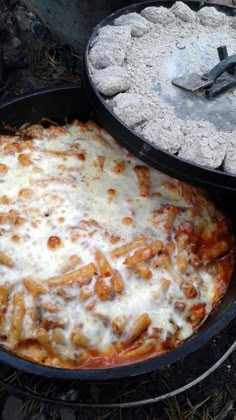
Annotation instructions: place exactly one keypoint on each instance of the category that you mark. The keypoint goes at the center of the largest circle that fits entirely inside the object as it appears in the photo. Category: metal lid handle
(220, 68)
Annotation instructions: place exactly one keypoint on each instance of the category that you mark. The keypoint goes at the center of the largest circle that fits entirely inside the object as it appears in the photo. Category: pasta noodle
(103, 260)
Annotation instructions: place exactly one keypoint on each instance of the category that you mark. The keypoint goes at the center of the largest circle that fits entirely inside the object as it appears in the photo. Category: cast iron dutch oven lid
(217, 111)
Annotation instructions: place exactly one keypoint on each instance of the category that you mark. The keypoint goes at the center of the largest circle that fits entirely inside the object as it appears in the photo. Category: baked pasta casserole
(103, 260)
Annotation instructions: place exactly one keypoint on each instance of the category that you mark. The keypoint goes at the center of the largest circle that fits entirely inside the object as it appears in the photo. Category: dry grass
(45, 64)
(215, 407)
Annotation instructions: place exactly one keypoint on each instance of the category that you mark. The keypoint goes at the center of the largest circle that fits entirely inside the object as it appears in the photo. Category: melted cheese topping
(70, 295)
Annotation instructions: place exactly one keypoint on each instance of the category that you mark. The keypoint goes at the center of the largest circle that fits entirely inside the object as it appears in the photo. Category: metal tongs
(219, 79)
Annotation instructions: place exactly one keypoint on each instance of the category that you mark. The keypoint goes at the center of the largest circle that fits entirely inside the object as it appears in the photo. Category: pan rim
(227, 181)
(194, 343)
(118, 372)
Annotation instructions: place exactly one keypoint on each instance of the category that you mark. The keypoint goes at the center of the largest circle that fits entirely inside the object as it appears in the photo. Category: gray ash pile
(133, 62)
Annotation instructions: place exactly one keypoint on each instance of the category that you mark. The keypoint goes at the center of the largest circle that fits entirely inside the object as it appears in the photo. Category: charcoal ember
(160, 15)
(134, 109)
(162, 135)
(110, 46)
(138, 24)
(112, 80)
(183, 12)
(209, 16)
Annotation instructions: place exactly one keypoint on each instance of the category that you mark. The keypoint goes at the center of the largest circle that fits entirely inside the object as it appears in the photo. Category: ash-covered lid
(133, 62)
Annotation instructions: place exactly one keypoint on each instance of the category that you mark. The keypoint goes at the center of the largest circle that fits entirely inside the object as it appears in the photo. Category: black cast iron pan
(59, 104)
(141, 148)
